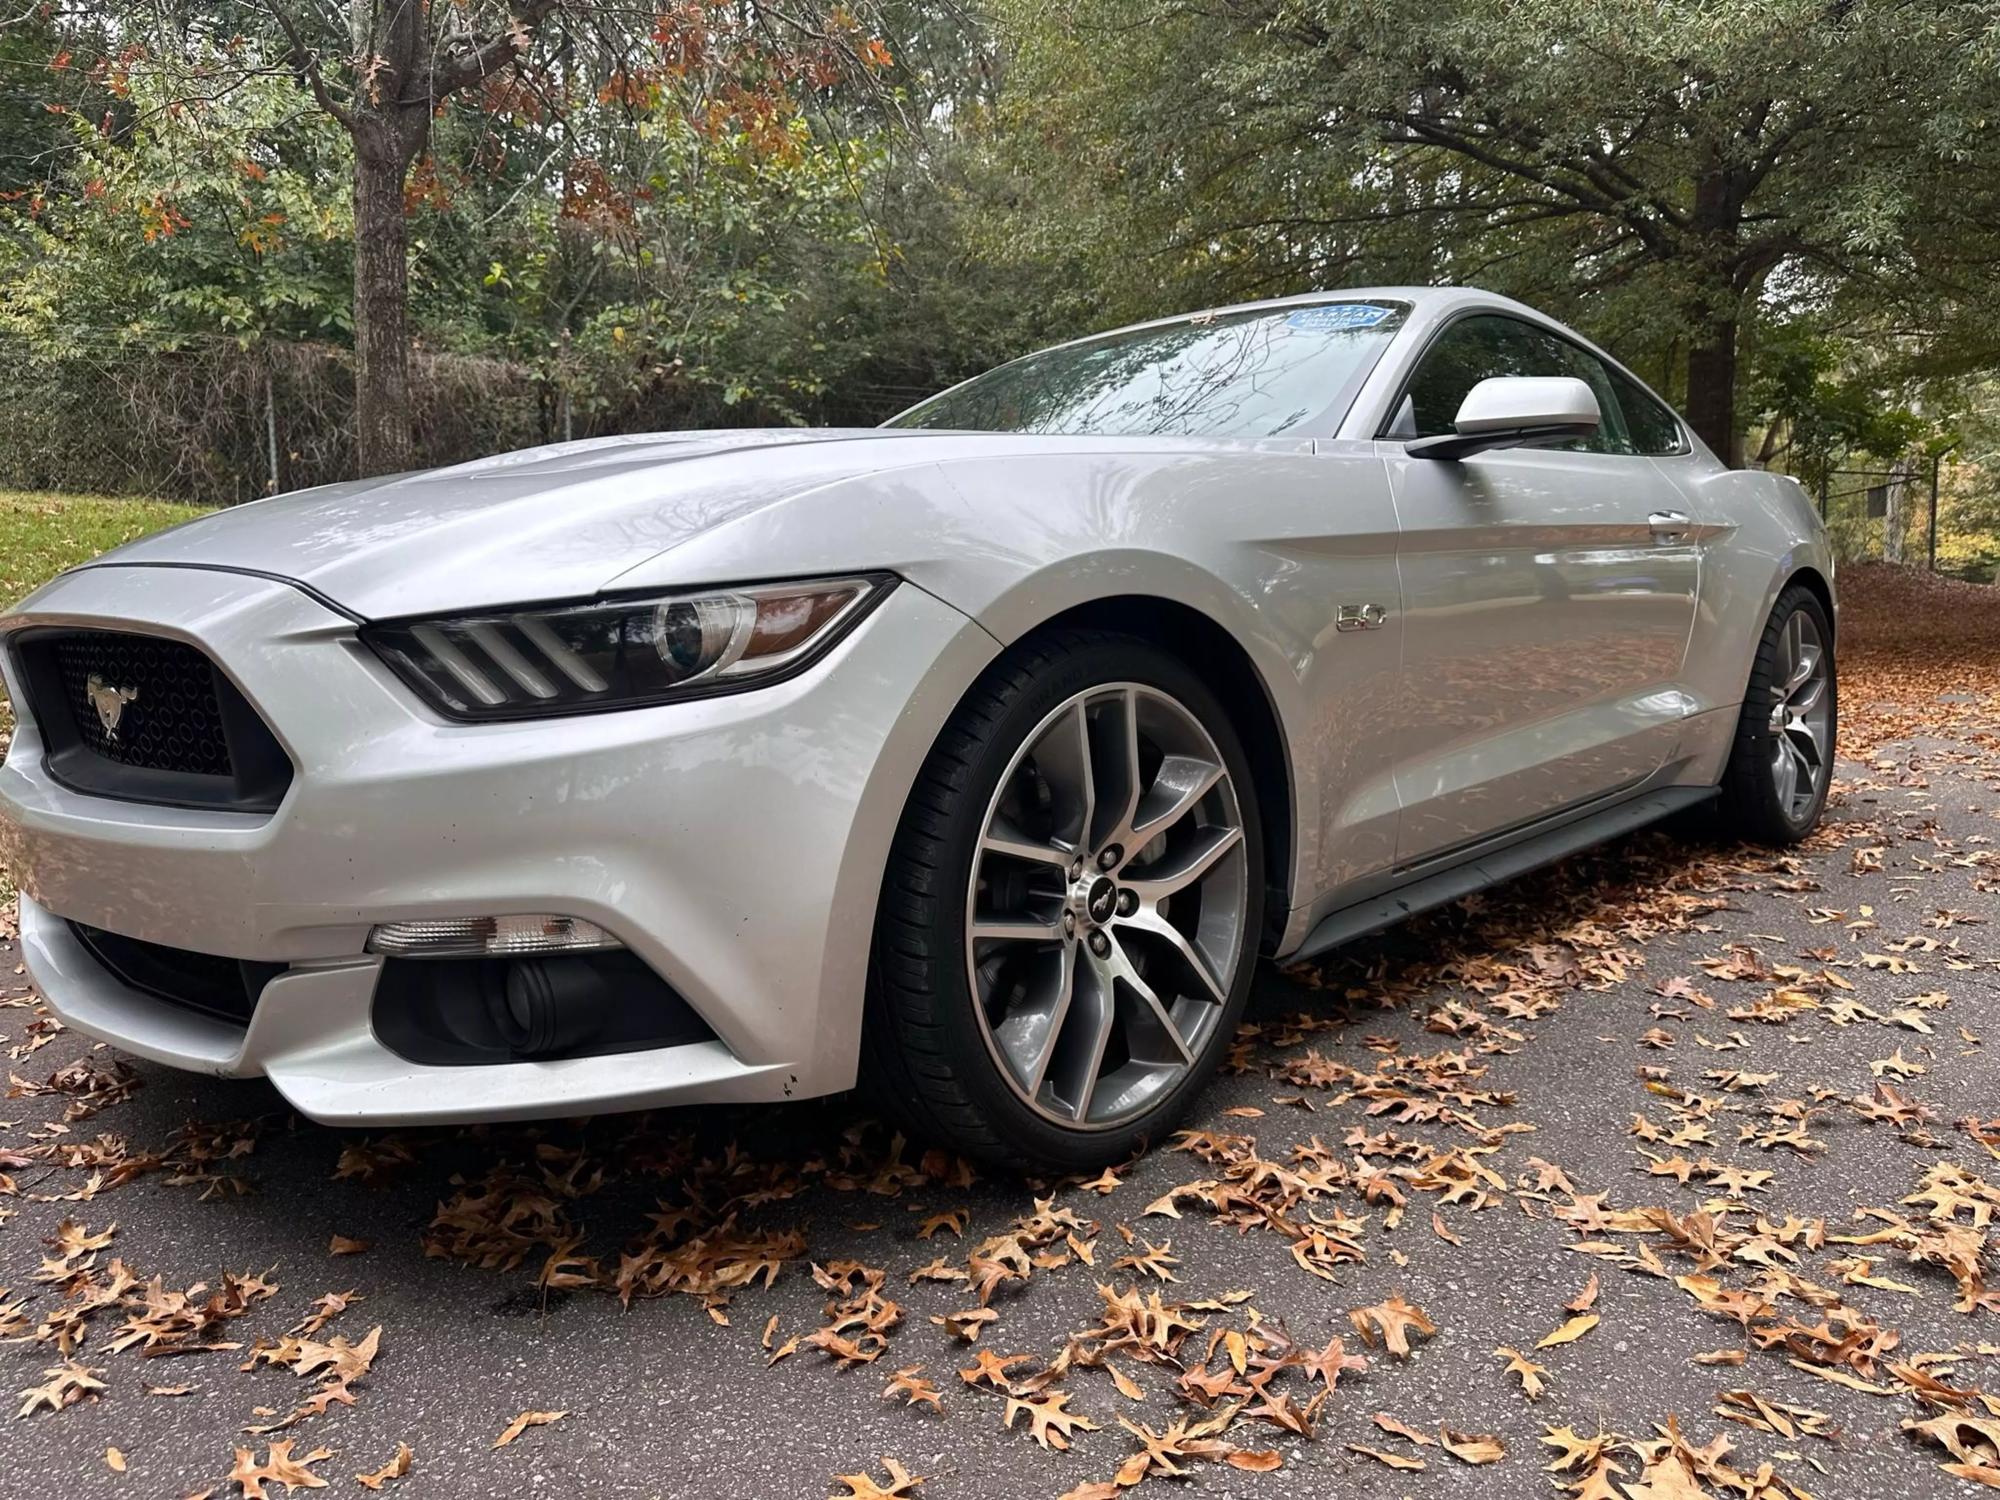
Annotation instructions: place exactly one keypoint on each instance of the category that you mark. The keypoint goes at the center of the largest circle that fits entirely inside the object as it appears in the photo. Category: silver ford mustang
(980, 754)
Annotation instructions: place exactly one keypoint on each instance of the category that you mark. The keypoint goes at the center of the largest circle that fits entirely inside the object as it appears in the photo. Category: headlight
(580, 658)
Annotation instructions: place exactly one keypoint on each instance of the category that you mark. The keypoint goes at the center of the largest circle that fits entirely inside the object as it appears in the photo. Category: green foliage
(1969, 499)
(741, 244)
(203, 220)
(623, 240)
(1829, 406)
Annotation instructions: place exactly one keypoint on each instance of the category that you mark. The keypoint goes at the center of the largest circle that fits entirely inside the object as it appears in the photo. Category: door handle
(1670, 525)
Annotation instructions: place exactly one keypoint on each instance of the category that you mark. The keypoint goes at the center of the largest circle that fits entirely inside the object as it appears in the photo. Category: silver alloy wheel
(1106, 911)
(1801, 715)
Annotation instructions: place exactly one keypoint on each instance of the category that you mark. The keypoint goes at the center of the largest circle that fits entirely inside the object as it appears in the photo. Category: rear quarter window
(1651, 428)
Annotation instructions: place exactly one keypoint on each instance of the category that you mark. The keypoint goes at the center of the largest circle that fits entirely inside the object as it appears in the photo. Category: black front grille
(225, 988)
(160, 694)
(147, 719)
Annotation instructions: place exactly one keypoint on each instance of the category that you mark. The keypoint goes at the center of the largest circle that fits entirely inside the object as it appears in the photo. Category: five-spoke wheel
(1105, 916)
(1071, 912)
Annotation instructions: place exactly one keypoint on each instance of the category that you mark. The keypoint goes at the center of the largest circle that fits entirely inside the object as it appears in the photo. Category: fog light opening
(471, 1011)
(539, 1007)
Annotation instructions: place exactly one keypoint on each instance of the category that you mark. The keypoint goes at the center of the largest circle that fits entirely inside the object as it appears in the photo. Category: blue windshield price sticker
(1333, 317)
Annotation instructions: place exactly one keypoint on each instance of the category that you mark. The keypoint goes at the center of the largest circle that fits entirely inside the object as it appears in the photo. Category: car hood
(558, 522)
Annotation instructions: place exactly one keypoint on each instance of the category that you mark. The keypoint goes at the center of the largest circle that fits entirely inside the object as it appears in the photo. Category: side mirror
(1516, 411)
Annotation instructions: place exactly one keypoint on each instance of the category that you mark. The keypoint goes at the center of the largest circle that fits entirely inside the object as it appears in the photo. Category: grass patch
(40, 535)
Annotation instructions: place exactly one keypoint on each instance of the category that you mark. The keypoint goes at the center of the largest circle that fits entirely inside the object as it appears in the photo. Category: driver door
(1548, 597)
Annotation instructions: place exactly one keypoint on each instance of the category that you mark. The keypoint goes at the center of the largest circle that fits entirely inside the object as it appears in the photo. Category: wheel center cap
(1101, 899)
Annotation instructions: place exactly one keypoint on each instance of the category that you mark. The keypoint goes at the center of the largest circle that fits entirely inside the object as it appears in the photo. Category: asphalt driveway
(1669, 1172)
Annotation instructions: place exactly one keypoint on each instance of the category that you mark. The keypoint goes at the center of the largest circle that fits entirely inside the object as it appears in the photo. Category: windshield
(1246, 375)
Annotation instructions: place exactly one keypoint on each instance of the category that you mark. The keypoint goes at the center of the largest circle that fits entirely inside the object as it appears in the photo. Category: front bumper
(735, 844)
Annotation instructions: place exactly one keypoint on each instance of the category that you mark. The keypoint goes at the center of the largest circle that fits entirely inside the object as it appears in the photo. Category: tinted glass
(1649, 424)
(1249, 375)
(1481, 348)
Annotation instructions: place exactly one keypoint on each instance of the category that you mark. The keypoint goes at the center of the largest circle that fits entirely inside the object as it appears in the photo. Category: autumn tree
(387, 69)
(383, 70)
(699, 220)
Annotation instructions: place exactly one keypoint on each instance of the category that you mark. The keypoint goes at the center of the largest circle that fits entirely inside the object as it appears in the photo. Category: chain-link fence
(222, 424)
(219, 423)
(1914, 512)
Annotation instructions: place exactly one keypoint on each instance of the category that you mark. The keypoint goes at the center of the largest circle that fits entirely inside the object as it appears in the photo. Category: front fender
(1264, 539)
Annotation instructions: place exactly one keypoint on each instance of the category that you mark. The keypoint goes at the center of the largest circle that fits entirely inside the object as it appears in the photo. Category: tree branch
(494, 54)
(305, 66)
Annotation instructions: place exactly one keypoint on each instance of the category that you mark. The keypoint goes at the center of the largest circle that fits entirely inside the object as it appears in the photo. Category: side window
(1469, 351)
(1652, 427)
(1481, 347)
(1611, 436)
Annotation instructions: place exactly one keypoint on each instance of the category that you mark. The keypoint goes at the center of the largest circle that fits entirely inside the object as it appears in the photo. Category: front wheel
(1781, 765)
(1070, 913)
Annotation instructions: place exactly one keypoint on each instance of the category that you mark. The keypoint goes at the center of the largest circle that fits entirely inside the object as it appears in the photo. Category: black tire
(924, 1053)
(1751, 807)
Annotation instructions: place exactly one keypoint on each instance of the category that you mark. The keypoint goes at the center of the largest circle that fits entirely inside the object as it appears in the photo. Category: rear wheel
(1070, 912)
(1781, 766)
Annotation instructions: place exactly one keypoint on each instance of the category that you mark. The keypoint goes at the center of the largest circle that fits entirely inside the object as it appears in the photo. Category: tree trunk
(1717, 218)
(1711, 391)
(382, 443)
(402, 69)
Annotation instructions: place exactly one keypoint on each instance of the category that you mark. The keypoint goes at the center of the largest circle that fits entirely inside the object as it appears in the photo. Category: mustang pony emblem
(109, 700)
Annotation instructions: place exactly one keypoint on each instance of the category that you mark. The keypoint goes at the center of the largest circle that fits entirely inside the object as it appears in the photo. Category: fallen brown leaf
(524, 1421)
(68, 1383)
(912, 1387)
(1530, 1373)
(901, 1483)
(1391, 1323)
(1048, 1423)
(1393, 1460)
(279, 1467)
(1402, 1429)
(1571, 1331)
(395, 1468)
(1472, 1447)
